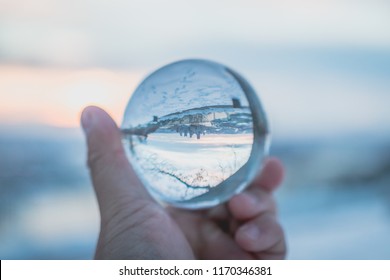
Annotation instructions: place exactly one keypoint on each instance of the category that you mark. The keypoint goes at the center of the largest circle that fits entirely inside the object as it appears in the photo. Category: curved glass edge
(247, 173)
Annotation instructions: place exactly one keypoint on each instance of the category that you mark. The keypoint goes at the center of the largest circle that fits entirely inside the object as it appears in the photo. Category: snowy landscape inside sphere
(195, 133)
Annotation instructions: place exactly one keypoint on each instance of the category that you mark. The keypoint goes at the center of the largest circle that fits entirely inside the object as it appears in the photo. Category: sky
(318, 66)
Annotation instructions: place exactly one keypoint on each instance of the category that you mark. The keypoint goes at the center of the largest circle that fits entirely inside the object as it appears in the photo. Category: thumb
(115, 183)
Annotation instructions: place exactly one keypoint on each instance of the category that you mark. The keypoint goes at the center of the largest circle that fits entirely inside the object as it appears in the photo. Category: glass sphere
(195, 133)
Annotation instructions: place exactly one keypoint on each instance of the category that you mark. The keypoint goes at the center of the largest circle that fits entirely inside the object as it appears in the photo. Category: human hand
(245, 227)
(134, 226)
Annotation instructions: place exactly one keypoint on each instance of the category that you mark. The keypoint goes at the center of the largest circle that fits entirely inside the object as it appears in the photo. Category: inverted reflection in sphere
(195, 133)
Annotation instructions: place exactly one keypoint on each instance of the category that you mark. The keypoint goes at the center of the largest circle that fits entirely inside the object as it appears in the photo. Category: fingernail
(251, 232)
(86, 120)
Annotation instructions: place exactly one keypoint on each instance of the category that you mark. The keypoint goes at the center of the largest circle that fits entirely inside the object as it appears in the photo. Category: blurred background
(321, 68)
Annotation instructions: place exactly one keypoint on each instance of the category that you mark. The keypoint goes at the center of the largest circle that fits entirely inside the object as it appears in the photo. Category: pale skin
(134, 226)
